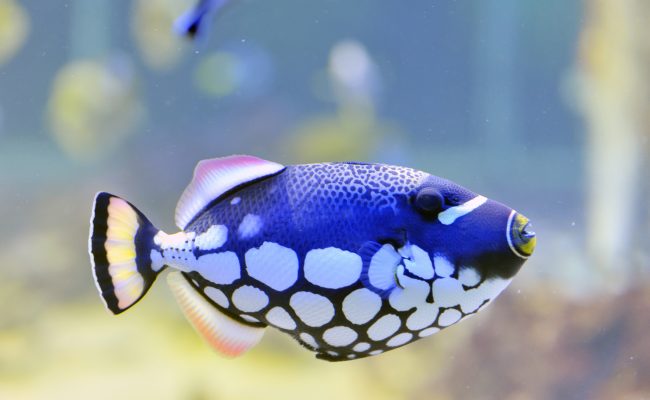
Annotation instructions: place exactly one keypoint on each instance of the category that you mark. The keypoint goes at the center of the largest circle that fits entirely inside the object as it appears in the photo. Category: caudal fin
(121, 239)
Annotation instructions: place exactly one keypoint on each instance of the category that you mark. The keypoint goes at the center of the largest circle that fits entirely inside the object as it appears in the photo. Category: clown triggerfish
(350, 259)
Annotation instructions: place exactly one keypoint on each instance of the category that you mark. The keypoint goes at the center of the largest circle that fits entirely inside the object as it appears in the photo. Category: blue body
(354, 207)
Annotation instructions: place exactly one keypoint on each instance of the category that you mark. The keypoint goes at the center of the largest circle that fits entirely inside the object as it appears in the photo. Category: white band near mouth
(508, 228)
(450, 215)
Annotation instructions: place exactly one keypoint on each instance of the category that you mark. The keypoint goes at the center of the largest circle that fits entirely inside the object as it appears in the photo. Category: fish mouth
(521, 237)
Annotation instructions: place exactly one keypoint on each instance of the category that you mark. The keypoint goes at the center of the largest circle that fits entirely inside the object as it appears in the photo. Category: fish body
(350, 259)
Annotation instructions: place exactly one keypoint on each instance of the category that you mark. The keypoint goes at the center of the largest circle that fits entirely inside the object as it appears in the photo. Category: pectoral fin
(229, 337)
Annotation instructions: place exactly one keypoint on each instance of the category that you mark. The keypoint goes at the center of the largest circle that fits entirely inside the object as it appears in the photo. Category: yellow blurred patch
(151, 27)
(14, 28)
(93, 106)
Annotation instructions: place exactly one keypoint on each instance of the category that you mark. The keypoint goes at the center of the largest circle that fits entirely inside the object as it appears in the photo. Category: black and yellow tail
(121, 239)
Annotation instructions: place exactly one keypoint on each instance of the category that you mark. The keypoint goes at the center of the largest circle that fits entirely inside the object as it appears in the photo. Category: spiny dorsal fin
(214, 177)
(229, 337)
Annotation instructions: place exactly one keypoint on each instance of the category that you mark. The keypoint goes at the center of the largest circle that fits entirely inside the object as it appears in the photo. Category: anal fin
(227, 336)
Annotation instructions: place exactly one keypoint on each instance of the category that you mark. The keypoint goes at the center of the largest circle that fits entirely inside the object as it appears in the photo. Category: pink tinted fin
(229, 337)
(214, 177)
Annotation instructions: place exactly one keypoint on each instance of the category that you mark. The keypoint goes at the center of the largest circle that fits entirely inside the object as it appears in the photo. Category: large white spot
(361, 306)
(220, 268)
(279, 317)
(448, 292)
(309, 340)
(361, 347)
(399, 340)
(249, 298)
(424, 316)
(421, 264)
(413, 294)
(249, 226)
(217, 296)
(339, 336)
(332, 268)
(468, 276)
(157, 261)
(274, 265)
(428, 332)
(381, 271)
(213, 238)
(313, 309)
(450, 215)
(443, 267)
(449, 317)
(384, 327)
(488, 290)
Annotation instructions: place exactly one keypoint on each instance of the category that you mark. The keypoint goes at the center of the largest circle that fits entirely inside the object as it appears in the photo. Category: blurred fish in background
(352, 81)
(196, 22)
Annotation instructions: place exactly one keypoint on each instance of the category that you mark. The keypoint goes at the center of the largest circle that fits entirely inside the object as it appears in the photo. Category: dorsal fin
(214, 177)
(229, 337)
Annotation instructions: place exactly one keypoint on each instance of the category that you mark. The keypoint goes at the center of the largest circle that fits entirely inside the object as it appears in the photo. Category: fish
(350, 259)
(195, 22)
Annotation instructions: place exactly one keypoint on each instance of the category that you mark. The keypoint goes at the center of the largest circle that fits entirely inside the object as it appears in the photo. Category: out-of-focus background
(544, 106)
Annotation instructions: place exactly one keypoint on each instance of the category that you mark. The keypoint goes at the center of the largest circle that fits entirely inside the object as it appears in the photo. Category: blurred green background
(541, 105)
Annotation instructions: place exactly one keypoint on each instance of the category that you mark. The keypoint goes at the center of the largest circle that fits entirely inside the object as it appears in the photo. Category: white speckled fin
(229, 337)
(216, 176)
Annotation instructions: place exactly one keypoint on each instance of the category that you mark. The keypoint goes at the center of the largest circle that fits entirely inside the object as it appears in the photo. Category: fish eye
(429, 200)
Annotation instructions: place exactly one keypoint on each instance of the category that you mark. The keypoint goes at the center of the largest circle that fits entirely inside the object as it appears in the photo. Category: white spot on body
(449, 317)
(448, 292)
(361, 347)
(352, 356)
(309, 340)
(376, 352)
(249, 298)
(217, 296)
(384, 327)
(176, 240)
(157, 261)
(339, 336)
(450, 215)
(333, 353)
(249, 226)
(313, 309)
(414, 294)
(332, 268)
(424, 316)
(399, 340)
(361, 306)
(443, 266)
(219, 268)
(213, 238)
(428, 332)
(235, 201)
(469, 276)
(279, 317)
(488, 290)
(273, 265)
(381, 271)
(421, 264)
